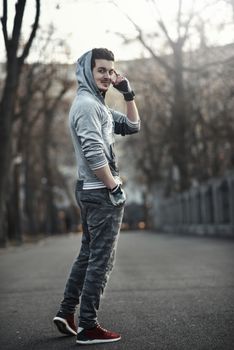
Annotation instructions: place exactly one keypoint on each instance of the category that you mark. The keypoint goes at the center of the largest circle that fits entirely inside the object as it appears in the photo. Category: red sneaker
(96, 335)
(65, 323)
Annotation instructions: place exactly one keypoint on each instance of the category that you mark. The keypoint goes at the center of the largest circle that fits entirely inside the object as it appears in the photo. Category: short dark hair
(101, 54)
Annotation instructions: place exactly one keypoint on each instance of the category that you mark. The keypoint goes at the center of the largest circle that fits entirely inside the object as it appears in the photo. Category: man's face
(103, 73)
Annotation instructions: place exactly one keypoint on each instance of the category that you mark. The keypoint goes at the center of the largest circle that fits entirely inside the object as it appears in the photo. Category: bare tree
(174, 70)
(189, 134)
(50, 110)
(40, 99)
(14, 66)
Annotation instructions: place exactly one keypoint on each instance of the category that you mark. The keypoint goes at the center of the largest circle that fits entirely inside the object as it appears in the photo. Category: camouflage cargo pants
(101, 223)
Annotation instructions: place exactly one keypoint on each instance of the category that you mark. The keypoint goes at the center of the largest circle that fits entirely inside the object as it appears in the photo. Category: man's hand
(117, 196)
(122, 85)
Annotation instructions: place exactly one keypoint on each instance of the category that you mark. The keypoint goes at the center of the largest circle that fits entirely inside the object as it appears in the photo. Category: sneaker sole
(63, 326)
(97, 341)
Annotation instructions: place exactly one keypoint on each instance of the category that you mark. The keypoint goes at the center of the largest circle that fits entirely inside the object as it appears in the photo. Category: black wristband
(129, 96)
(116, 189)
(112, 190)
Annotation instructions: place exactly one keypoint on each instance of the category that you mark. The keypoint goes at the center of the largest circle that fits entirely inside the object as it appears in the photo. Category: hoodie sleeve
(88, 128)
(123, 125)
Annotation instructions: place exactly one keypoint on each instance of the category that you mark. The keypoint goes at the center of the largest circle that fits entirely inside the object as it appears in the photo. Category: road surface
(166, 292)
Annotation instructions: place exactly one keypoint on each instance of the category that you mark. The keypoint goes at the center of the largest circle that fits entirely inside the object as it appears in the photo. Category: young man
(99, 193)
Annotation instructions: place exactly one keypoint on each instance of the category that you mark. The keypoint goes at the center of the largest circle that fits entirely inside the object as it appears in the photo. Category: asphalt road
(166, 293)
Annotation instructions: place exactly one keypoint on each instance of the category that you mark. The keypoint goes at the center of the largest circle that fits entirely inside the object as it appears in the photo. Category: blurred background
(179, 57)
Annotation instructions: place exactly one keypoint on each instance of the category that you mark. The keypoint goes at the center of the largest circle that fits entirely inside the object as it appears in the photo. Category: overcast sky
(85, 24)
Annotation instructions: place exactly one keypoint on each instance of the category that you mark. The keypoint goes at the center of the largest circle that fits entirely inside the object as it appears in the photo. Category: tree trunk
(7, 104)
(29, 196)
(179, 120)
(51, 222)
(13, 206)
(6, 115)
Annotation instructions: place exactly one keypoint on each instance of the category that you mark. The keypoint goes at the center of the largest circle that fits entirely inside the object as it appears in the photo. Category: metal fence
(206, 209)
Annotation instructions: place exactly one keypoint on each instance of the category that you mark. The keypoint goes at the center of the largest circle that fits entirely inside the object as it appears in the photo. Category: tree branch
(179, 18)
(167, 67)
(32, 35)
(59, 97)
(160, 60)
(162, 24)
(4, 25)
(19, 12)
(165, 31)
(184, 37)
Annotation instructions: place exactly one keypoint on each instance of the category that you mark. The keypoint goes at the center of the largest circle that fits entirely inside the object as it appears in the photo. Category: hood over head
(85, 76)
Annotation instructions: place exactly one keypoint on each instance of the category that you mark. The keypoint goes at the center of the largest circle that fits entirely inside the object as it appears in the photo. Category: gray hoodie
(92, 125)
